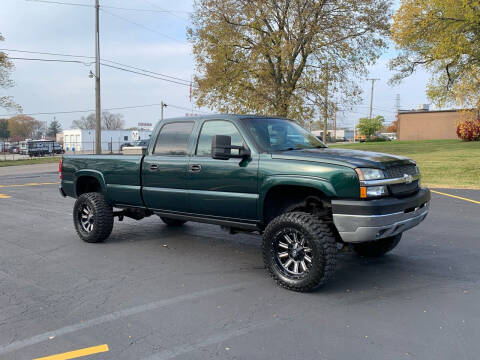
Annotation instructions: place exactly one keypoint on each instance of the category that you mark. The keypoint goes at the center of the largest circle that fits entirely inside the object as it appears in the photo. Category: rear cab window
(173, 139)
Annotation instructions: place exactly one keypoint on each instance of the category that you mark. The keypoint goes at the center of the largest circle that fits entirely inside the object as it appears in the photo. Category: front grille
(401, 190)
(400, 170)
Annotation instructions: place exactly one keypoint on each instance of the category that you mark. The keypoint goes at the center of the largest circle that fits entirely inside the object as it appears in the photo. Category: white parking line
(16, 345)
(210, 340)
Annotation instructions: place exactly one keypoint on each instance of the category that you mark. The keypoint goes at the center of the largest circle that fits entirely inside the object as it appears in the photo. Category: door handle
(195, 168)
(154, 167)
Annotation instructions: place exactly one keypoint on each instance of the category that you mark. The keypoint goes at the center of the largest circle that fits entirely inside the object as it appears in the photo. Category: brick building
(428, 125)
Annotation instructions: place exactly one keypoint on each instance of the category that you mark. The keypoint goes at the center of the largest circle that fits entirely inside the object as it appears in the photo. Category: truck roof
(226, 116)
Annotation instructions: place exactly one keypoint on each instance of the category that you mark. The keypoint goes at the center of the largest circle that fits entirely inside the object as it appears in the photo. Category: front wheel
(299, 250)
(377, 247)
(93, 217)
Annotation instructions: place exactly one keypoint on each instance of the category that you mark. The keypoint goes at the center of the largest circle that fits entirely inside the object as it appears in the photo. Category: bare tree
(110, 121)
(85, 122)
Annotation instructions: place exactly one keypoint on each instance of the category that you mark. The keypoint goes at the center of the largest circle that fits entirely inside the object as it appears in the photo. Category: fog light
(373, 191)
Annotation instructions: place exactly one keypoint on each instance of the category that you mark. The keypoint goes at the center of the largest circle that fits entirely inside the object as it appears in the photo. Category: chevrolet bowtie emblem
(408, 178)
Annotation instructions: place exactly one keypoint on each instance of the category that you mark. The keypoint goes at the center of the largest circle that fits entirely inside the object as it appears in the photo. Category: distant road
(29, 169)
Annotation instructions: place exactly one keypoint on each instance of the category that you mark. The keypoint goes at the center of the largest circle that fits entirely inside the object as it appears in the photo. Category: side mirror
(222, 148)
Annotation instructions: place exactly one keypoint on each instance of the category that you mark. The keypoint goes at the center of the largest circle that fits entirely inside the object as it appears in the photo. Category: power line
(61, 3)
(52, 60)
(48, 53)
(158, 7)
(186, 109)
(92, 110)
(108, 65)
(172, 12)
(92, 57)
(142, 26)
(147, 75)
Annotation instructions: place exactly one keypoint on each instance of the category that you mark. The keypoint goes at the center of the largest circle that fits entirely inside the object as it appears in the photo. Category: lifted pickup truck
(256, 174)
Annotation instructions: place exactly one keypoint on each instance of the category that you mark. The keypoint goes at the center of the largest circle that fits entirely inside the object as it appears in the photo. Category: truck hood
(351, 158)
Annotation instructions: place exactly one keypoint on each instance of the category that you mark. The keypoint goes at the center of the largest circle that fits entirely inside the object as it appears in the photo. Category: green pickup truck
(255, 174)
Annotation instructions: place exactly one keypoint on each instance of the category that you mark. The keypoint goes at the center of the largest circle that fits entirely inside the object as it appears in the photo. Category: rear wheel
(93, 217)
(172, 222)
(377, 247)
(299, 250)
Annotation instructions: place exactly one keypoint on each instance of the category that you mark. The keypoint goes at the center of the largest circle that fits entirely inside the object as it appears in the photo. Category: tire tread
(324, 238)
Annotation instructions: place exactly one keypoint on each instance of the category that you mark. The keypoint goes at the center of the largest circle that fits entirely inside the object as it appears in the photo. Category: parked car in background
(137, 147)
(35, 148)
(14, 149)
(127, 144)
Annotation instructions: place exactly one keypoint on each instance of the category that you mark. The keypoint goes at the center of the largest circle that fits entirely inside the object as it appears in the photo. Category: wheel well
(86, 184)
(286, 198)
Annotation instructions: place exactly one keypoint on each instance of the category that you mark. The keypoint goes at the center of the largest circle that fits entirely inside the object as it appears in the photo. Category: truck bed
(118, 174)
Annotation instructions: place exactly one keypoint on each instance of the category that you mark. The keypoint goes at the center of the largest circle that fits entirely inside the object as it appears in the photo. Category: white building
(80, 140)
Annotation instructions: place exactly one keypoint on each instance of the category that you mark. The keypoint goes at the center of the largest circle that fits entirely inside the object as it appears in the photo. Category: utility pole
(335, 124)
(397, 103)
(163, 105)
(98, 109)
(325, 110)
(371, 96)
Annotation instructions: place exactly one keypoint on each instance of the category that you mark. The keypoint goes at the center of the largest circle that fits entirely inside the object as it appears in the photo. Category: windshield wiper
(289, 149)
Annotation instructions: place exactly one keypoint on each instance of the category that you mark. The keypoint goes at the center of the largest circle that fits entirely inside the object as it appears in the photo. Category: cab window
(173, 139)
(216, 127)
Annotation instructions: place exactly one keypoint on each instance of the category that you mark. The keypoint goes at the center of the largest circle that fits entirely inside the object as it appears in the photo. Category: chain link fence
(18, 151)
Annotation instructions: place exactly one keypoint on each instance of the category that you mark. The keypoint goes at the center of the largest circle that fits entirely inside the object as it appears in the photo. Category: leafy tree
(23, 127)
(369, 126)
(5, 68)
(4, 133)
(442, 36)
(54, 128)
(283, 57)
(109, 121)
(393, 127)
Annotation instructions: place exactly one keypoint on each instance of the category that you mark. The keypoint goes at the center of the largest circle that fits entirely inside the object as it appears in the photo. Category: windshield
(281, 135)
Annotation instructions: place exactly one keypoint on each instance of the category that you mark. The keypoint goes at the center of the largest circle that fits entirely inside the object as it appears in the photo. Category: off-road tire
(377, 248)
(102, 217)
(172, 222)
(321, 241)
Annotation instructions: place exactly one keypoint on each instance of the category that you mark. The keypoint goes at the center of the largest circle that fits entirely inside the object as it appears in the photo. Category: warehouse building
(83, 140)
(424, 124)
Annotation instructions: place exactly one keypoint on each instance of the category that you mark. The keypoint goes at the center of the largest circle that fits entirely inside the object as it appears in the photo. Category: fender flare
(91, 173)
(316, 183)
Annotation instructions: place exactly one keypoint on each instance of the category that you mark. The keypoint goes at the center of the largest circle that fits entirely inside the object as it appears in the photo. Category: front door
(222, 188)
(164, 171)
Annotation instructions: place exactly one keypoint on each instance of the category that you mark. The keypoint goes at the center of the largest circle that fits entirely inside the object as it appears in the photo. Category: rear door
(165, 170)
(222, 188)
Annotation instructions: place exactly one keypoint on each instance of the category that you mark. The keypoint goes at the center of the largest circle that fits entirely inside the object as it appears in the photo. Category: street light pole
(98, 119)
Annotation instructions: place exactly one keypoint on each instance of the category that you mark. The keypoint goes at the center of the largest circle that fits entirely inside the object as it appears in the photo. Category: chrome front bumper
(358, 227)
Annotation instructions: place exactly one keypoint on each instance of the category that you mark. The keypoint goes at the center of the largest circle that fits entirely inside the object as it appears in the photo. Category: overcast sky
(156, 42)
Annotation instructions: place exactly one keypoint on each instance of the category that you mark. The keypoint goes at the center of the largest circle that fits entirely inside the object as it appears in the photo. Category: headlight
(372, 191)
(369, 174)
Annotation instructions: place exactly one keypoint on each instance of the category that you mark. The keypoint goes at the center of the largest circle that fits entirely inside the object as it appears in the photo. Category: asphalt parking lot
(152, 292)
